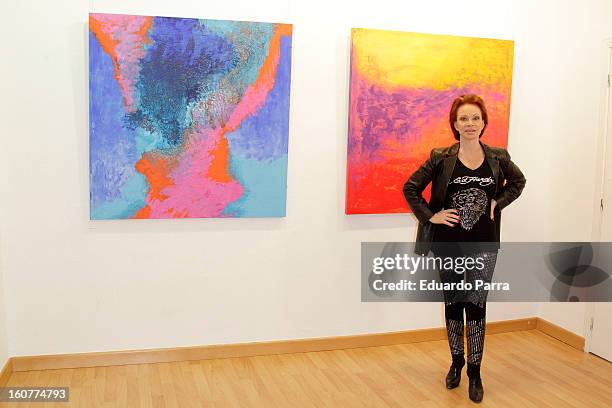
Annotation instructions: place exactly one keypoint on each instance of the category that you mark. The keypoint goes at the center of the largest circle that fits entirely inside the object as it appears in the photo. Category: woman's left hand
(493, 205)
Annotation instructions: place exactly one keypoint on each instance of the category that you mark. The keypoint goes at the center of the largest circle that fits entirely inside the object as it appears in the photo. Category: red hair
(471, 99)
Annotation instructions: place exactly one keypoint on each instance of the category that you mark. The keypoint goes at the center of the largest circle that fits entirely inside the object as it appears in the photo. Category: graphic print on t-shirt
(471, 203)
(469, 191)
(482, 181)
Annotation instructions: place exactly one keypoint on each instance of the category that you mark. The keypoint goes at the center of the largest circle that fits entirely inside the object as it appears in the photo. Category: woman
(471, 184)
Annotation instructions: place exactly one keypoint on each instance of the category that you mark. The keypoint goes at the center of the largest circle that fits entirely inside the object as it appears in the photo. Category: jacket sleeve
(414, 187)
(515, 182)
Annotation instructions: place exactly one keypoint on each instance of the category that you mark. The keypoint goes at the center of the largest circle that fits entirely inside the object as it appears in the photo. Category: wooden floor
(520, 369)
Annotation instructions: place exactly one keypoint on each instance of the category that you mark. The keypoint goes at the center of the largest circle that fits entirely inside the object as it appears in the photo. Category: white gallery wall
(73, 285)
(3, 336)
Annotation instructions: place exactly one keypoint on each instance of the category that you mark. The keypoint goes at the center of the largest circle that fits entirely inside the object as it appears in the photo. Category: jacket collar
(454, 151)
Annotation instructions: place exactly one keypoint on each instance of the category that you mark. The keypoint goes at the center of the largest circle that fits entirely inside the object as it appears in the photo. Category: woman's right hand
(447, 217)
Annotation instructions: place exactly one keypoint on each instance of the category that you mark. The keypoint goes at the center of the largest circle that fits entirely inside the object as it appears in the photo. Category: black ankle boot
(476, 391)
(453, 378)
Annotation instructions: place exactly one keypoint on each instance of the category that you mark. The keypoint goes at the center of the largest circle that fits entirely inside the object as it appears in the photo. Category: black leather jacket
(438, 170)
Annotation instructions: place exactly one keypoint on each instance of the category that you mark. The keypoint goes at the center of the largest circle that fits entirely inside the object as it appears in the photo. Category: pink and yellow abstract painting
(402, 86)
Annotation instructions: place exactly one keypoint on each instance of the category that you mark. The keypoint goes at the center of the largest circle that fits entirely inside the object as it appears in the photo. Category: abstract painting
(188, 118)
(401, 89)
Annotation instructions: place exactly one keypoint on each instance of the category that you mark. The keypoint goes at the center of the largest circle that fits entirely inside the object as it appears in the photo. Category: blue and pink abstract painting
(188, 117)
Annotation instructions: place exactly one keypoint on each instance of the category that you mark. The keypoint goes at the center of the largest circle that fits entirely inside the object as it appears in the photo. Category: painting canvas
(401, 89)
(188, 117)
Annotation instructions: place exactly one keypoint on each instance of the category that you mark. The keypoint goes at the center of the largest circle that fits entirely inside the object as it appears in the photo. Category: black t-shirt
(470, 192)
